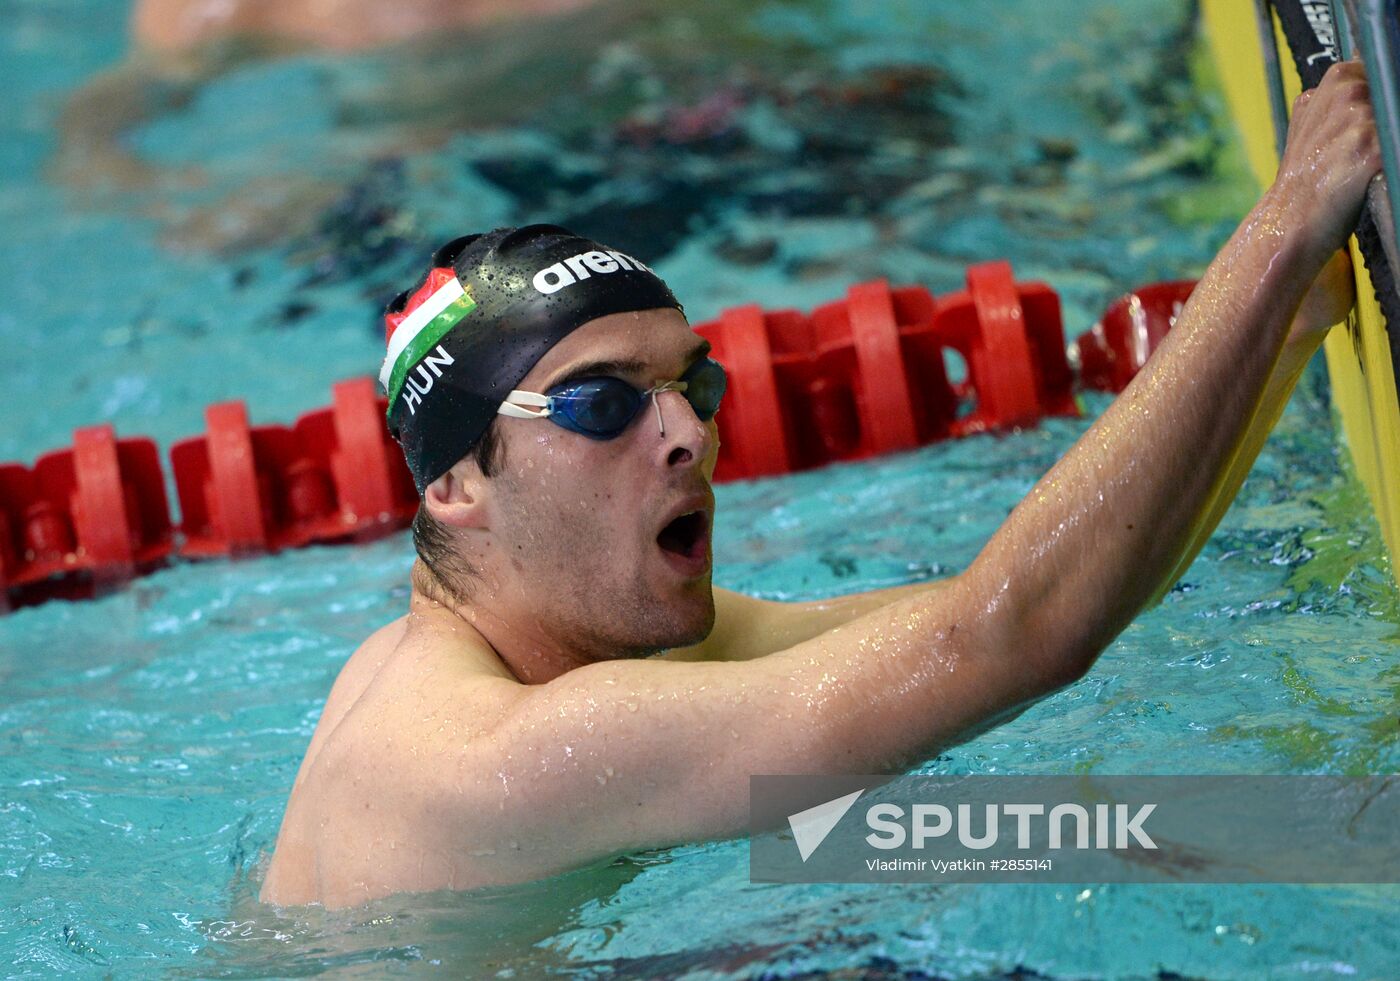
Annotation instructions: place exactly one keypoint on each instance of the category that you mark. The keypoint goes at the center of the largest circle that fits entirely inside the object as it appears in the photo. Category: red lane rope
(854, 378)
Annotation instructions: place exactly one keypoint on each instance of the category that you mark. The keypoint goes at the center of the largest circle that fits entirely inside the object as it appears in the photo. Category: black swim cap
(490, 307)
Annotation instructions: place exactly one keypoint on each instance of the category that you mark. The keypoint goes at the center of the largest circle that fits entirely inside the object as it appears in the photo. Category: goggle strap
(516, 404)
(532, 405)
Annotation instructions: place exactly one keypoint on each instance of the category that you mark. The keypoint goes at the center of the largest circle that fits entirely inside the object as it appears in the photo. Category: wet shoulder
(401, 698)
(360, 670)
(355, 675)
(415, 684)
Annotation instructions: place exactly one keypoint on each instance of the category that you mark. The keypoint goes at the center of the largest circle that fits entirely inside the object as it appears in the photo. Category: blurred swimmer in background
(408, 62)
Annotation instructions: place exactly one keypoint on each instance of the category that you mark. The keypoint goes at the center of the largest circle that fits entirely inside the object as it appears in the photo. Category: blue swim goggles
(603, 407)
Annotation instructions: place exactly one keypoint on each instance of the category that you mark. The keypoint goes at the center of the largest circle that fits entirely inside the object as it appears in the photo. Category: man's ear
(459, 498)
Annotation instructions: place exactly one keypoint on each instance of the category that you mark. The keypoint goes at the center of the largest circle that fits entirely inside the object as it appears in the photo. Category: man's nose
(684, 439)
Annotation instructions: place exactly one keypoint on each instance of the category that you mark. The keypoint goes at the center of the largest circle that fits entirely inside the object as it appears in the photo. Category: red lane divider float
(865, 375)
(855, 378)
(82, 519)
(333, 476)
(1117, 347)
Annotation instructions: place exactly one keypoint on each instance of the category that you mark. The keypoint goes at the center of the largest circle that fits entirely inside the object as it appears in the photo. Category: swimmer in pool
(416, 54)
(567, 686)
(181, 26)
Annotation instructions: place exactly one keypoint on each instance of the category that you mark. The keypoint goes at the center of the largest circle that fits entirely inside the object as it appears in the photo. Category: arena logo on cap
(552, 279)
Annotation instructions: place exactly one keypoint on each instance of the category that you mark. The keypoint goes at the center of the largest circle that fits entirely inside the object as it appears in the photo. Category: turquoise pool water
(150, 738)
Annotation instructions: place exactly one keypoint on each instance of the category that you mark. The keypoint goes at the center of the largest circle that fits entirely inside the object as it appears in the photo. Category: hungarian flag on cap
(440, 304)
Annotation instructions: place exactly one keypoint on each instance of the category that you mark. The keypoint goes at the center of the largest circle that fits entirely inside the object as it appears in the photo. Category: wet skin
(523, 731)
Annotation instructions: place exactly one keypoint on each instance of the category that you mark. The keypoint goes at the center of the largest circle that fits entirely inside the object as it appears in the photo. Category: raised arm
(628, 754)
(1108, 526)
(1326, 305)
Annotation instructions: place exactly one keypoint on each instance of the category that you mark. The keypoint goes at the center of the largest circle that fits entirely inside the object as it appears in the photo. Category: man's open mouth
(686, 536)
